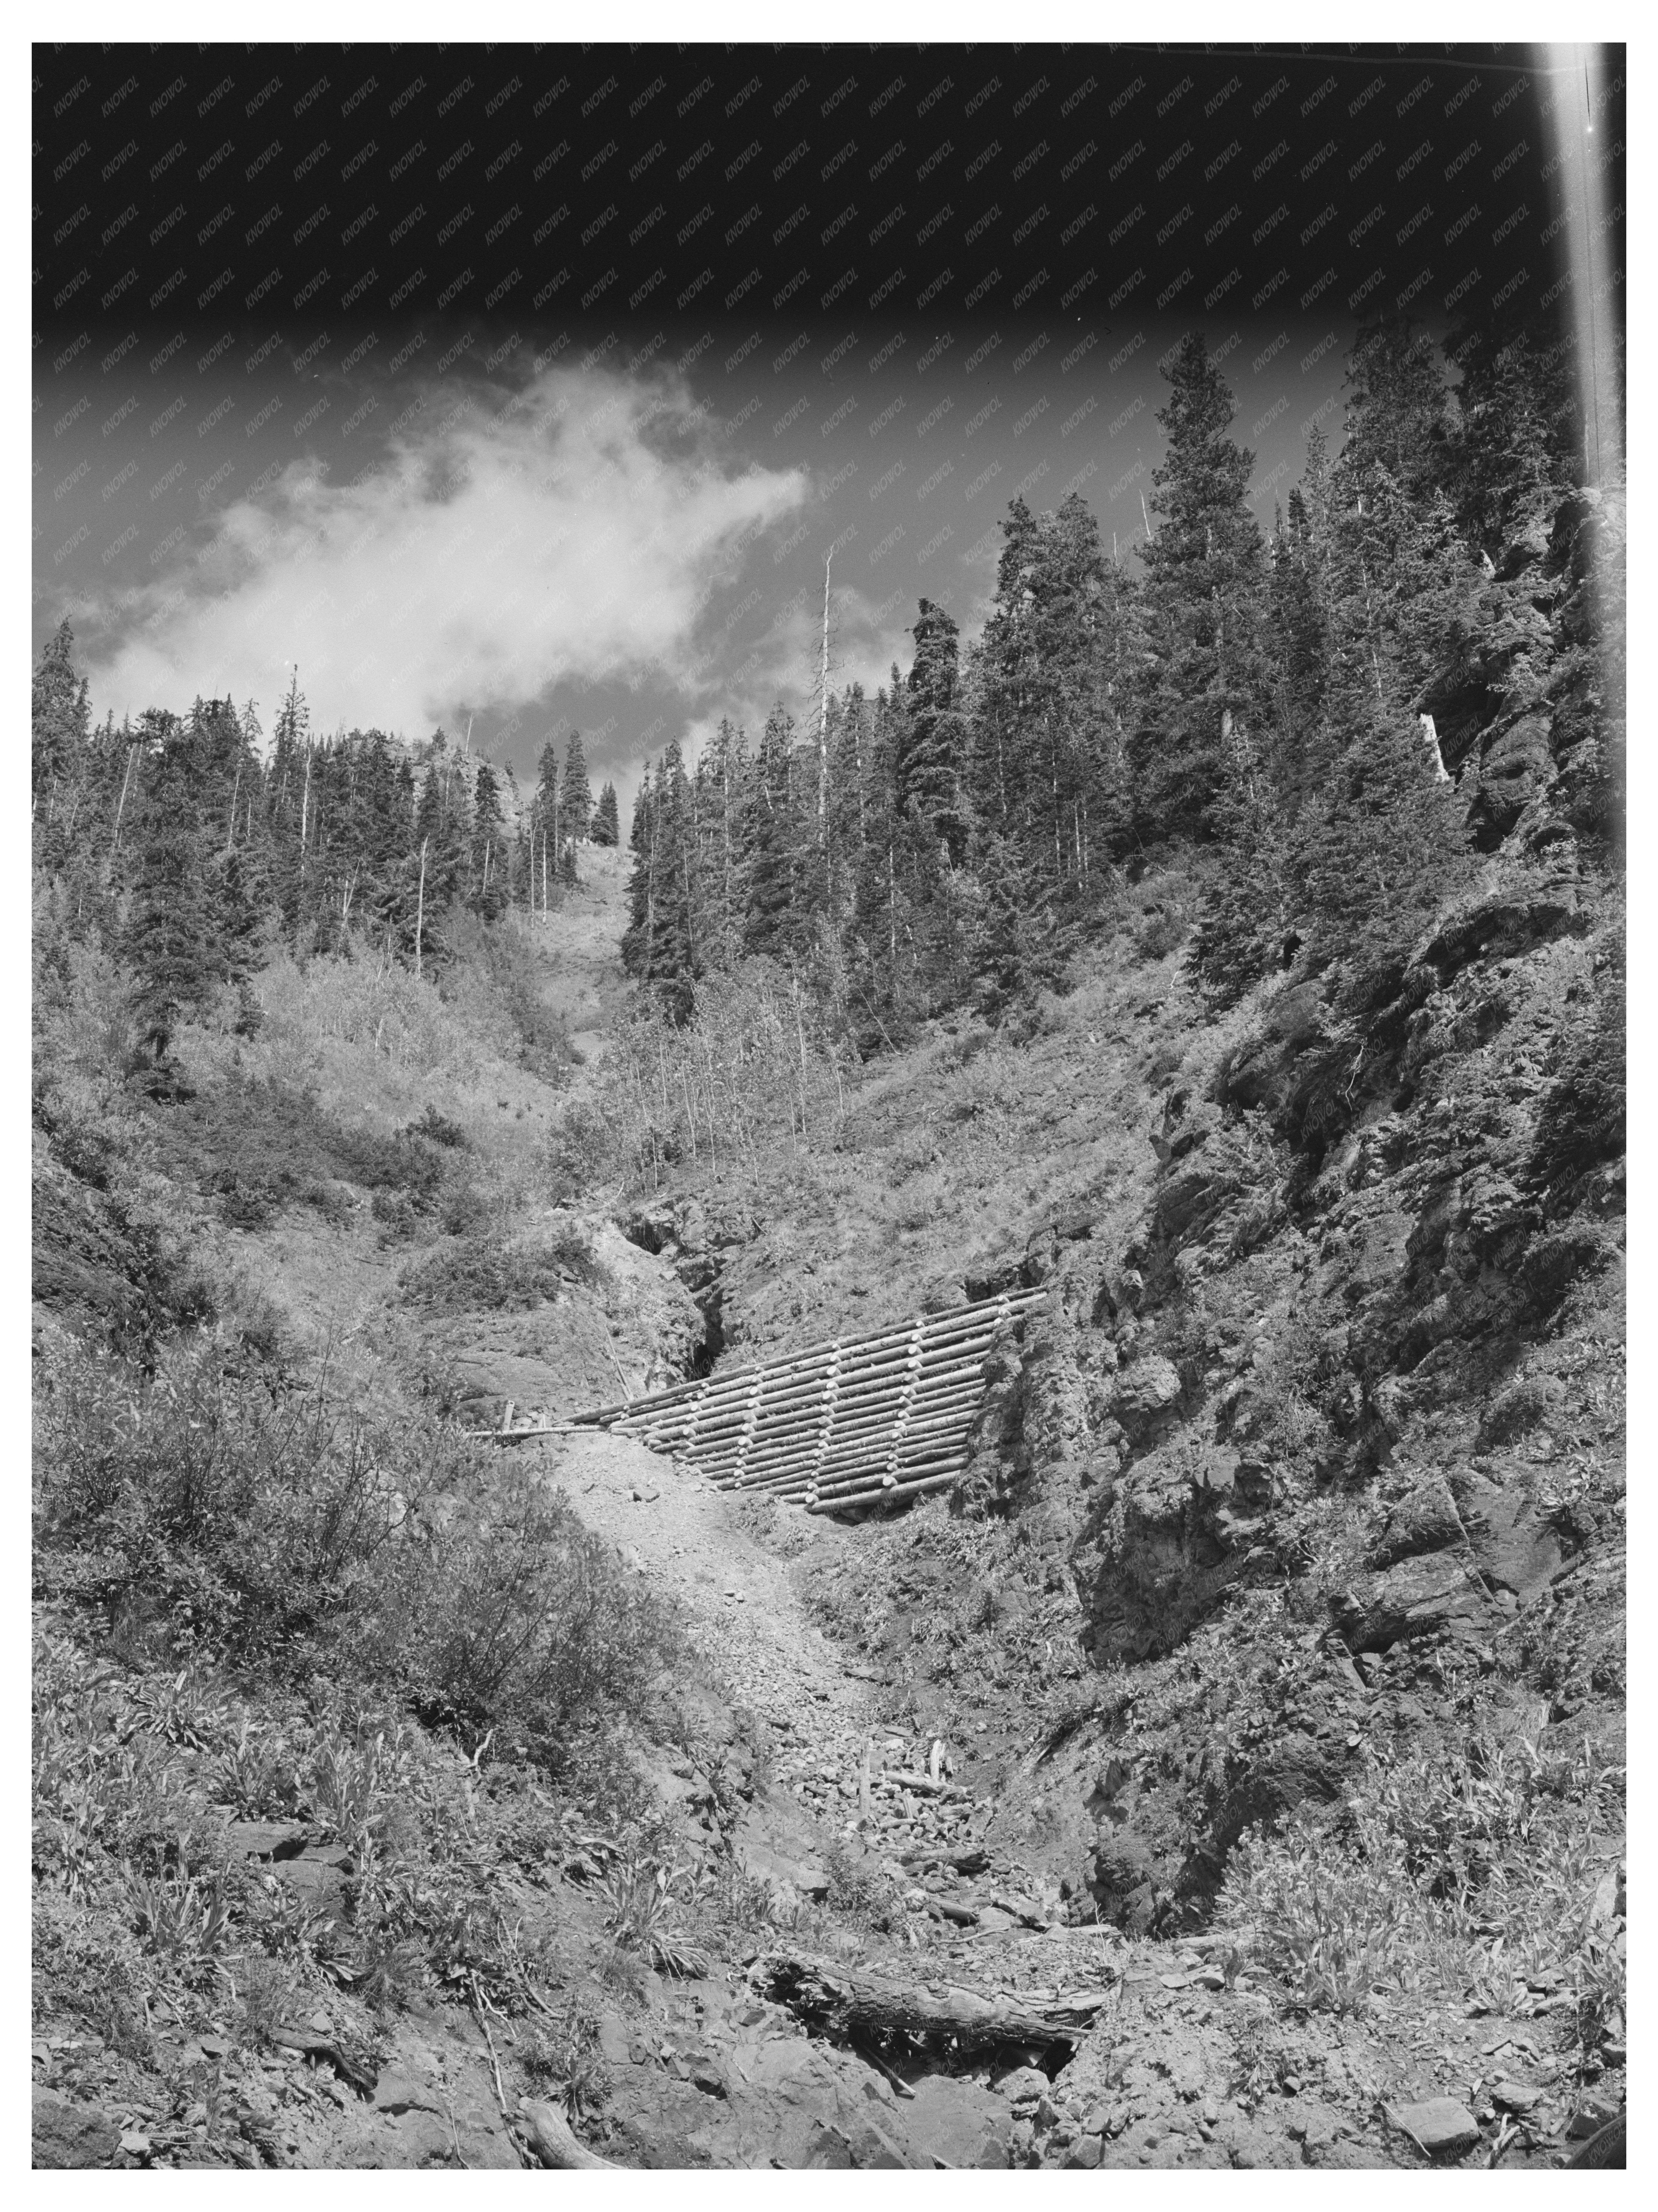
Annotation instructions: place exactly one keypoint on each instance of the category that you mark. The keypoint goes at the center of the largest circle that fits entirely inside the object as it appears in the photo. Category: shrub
(581, 1151)
(200, 1512)
(438, 1129)
(258, 1146)
(480, 1274)
(509, 1613)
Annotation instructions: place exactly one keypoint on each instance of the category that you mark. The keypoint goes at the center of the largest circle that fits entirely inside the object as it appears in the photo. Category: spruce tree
(491, 881)
(934, 747)
(606, 828)
(60, 719)
(544, 827)
(1252, 900)
(577, 793)
(62, 763)
(1202, 600)
(723, 783)
(638, 939)
(288, 809)
(174, 939)
(1052, 684)
(773, 840)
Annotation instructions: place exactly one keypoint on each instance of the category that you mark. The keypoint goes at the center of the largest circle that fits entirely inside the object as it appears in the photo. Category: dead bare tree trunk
(121, 809)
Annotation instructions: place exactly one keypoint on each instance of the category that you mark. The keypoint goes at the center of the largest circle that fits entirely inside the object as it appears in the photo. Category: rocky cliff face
(1351, 1390)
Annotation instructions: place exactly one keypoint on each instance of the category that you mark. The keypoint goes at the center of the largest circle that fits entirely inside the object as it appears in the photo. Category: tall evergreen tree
(773, 835)
(606, 828)
(173, 939)
(491, 880)
(64, 764)
(577, 793)
(934, 749)
(639, 939)
(544, 827)
(1203, 598)
(60, 718)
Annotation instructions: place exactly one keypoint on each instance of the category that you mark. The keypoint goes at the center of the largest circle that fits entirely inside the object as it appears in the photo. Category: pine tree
(174, 939)
(288, 809)
(577, 793)
(1380, 849)
(639, 939)
(544, 827)
(772, 840)
(1295, 636)
(606, 828)
(60, 717)
(1052, 682)
(1252, 899)
(1202, 599)
(935, 745)
(491, 885)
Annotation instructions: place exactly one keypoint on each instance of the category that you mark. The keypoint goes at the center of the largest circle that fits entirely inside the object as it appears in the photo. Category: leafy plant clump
(258, 1146)
(1481, 1872)
(195, 1512)
(478, 1273)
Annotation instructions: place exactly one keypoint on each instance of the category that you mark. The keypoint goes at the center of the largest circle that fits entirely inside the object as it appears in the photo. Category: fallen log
(971, 1858)
(854, 2005)
(553, 2140)
(943, 1908)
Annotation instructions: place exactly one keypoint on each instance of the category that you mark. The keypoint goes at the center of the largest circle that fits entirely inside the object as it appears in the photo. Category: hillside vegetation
(1256, 1698)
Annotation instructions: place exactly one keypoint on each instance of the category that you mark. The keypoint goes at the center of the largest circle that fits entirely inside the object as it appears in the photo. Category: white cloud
(572, 534)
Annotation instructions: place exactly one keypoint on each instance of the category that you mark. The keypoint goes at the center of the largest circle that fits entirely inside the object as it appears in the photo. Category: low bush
(203, 1511)
(582, 1151)
(481, 1274)
(258, 1146)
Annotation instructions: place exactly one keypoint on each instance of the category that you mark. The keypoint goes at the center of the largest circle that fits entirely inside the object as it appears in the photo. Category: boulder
(1124, 1884)
(1424, 1519)
(1427, 1596)
(1554, 1262)
(65, 2134)
(1503, 923)
(1521, 1407)
(1439, 2125)
(1145, 1390)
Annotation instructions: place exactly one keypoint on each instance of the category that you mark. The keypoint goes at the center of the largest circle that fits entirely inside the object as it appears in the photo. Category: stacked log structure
(858, 1421)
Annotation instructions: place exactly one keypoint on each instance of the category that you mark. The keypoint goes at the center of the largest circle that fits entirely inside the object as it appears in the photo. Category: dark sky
(535, 385)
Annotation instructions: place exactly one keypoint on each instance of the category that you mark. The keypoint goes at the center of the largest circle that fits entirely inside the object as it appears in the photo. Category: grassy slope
(949, 1159)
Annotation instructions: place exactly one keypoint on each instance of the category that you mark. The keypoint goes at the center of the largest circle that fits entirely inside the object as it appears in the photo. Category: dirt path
(743, 1612)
